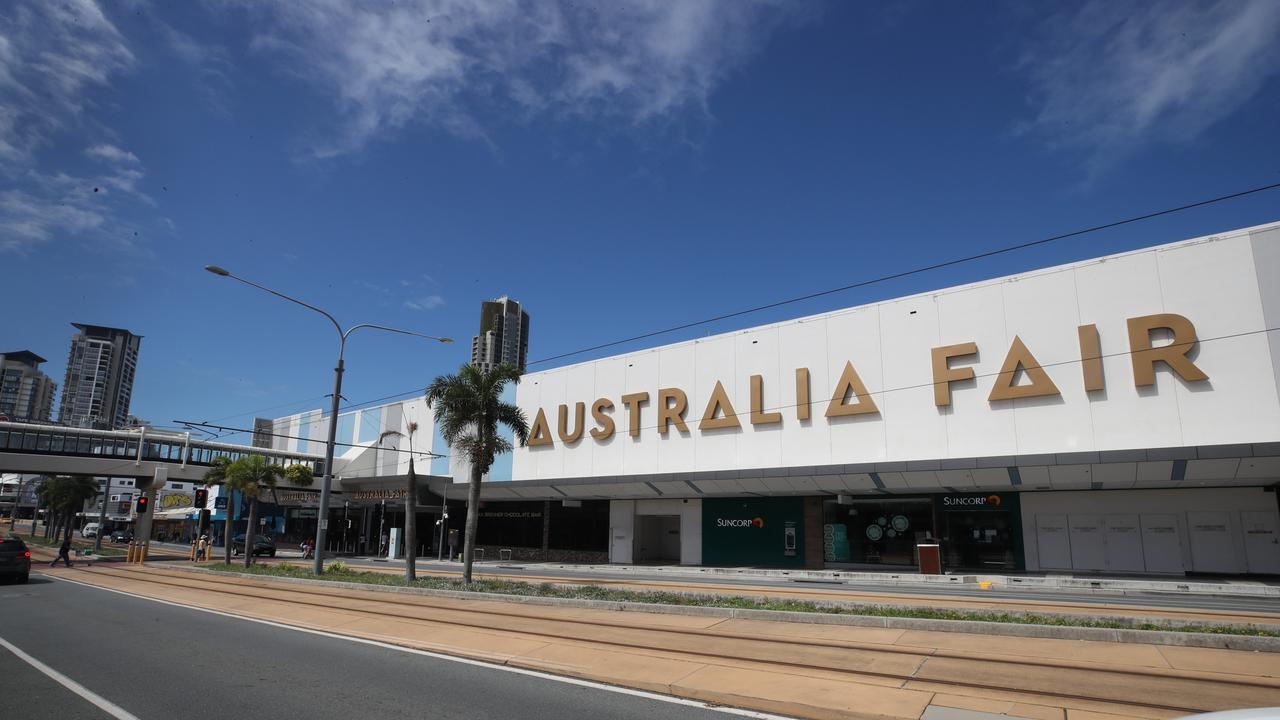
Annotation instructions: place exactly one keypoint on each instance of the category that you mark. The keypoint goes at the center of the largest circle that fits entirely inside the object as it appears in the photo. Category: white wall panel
(972, 421)
(852, 337)
(913, 425)
(579, 387)
(757, 353)
(804, 344)
(676, 370)
(1108, 293)
(640, 454)
(607, 456)
(715, 360)
(1042, 311)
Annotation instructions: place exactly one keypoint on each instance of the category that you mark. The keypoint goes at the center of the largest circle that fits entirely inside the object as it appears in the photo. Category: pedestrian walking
(64, 553)
(202, 548)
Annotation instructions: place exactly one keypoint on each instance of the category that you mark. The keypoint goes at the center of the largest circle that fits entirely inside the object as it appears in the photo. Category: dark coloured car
(262, 545)
(15, 559)
(122, 536)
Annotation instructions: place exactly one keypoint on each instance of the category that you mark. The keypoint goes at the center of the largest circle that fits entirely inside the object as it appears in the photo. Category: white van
(90, 530)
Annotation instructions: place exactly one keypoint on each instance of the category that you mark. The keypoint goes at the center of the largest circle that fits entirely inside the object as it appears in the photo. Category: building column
(813, 546)
(546, 528)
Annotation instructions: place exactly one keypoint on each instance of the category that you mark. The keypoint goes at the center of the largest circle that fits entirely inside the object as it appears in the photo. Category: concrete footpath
(801, 670)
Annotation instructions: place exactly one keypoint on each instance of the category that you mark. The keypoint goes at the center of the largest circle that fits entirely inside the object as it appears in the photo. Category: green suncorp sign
(763, 532)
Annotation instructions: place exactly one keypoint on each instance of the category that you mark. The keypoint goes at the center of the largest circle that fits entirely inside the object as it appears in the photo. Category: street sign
(220, 503)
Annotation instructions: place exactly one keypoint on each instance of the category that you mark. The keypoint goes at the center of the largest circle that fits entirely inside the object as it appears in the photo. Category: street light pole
(444, 521)
(322, 521)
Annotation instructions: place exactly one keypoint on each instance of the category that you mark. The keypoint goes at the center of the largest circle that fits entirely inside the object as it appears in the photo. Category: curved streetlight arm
(219, 271)
(353, 328)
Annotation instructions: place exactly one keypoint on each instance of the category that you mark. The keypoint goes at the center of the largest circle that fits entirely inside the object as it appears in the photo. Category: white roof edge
(1214, 237)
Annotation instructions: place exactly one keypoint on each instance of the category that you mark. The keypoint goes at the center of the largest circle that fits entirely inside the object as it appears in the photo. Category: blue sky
(619, 168)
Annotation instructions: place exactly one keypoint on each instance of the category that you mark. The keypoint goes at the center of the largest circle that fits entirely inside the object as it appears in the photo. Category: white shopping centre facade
(1119, 414)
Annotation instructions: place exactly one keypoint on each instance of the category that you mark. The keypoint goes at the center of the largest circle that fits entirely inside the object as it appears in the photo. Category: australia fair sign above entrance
(1021, 376)
(1158, 348)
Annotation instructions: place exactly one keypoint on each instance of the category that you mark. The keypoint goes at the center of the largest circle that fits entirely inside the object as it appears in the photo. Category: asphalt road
(163, 661)
(1186, 601)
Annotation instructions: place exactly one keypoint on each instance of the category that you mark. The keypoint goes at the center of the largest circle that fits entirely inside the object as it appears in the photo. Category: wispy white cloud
(424, 303)
(1107, 77)
(51, 55)
(438, 62)
(27, 220)
(55, 58)
(111, 154)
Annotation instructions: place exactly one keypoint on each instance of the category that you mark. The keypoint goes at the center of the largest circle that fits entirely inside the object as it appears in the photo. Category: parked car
(15, 559)
(90, 530)
(122, 536)
(262, 545)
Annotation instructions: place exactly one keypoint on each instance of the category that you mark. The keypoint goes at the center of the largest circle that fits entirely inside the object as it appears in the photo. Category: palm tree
(217, 475)
(65, 495)
(253, 475)
(410, 508)
(469, 408)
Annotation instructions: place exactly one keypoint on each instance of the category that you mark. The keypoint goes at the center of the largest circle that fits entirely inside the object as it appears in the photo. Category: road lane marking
(97, 700)
(440, 656)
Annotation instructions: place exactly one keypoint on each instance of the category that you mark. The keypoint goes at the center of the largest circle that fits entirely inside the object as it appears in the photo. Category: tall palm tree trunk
(248, 531)
(473, 521)
(411, 524)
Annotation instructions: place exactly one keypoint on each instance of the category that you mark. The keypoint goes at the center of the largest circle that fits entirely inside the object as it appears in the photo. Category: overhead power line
(876, 280)
(915, 271)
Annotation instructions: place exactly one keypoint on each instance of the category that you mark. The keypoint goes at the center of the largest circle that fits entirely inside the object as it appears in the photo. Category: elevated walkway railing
(142, 444)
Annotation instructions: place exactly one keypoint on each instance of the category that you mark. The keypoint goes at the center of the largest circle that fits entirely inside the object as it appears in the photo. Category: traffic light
(202, 498)
(142, 504)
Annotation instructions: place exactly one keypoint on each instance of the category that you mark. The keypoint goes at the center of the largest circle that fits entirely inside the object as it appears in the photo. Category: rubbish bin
(930, 558)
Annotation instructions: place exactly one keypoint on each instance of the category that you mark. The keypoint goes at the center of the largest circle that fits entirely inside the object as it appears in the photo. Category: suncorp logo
(988, 500)
(753, 522)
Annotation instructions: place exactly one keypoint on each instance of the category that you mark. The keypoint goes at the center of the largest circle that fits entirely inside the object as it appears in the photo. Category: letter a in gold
(1020, 357)
(719, 403)
(540, 434)
(850, 383)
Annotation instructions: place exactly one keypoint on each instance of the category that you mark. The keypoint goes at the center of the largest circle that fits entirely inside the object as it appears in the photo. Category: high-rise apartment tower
(504, 335)
(99, 382)
(26, 394)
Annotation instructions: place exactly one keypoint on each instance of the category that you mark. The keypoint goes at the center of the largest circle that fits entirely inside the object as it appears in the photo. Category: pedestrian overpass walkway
(138, 453)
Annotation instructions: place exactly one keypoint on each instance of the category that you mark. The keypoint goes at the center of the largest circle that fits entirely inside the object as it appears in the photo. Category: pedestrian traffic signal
(202, 498)
(142, 504)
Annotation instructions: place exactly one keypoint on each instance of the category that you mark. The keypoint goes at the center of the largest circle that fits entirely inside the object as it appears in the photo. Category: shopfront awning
(1255, 464)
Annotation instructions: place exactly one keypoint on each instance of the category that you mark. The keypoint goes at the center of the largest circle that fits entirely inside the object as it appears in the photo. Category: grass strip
(339, 572)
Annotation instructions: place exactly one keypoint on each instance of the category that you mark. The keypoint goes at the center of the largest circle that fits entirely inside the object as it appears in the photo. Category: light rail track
(1138, 690)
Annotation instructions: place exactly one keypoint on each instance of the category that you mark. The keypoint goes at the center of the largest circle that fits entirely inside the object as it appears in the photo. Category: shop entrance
(980, 532)
(878, 532)
(657, 539)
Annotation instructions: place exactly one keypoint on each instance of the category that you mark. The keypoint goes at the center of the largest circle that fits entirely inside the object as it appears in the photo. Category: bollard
(193, 552)
(142, 554)
(128, 553)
